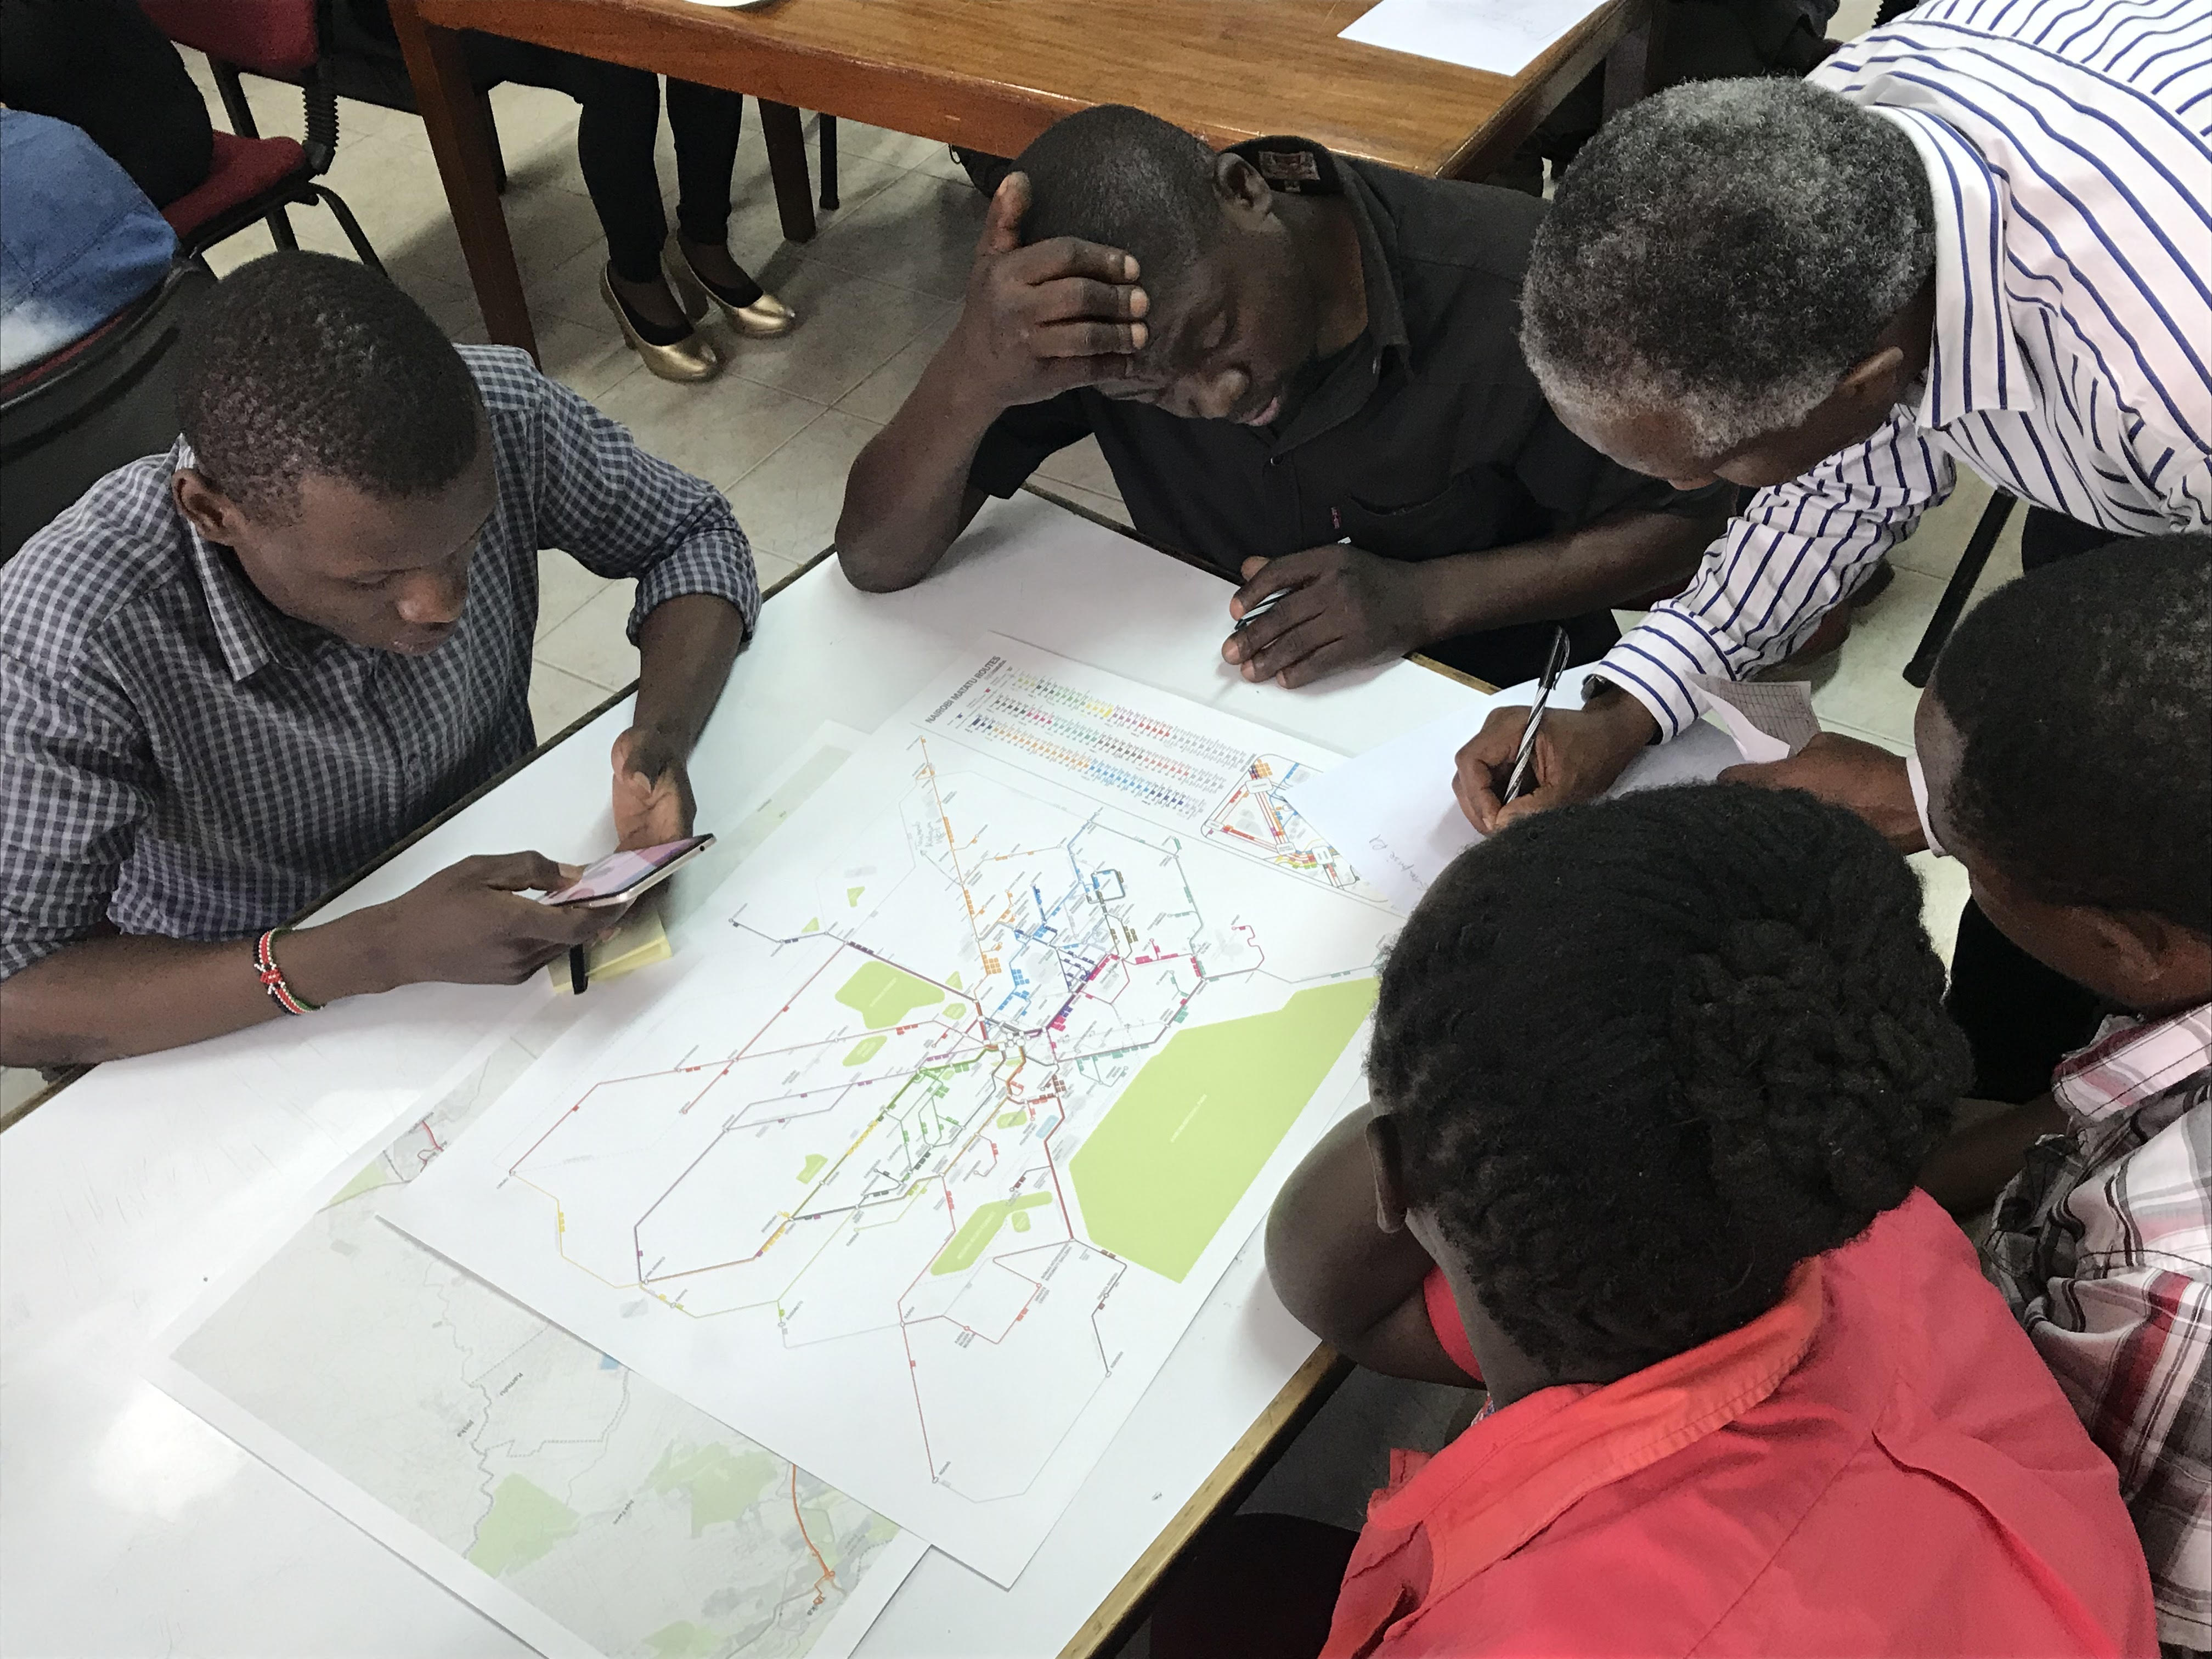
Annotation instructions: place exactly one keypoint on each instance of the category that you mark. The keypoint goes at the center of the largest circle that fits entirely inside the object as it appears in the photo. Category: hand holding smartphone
(621, 877)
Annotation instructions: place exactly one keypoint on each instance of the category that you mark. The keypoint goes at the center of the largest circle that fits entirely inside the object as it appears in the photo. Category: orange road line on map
(829, 1575)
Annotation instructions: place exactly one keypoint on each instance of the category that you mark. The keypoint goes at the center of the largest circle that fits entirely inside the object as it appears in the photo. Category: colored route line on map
(1079, 971)
(828, 1574)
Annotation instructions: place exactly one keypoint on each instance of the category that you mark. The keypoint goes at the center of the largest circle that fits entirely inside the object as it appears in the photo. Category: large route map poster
(918, 1168)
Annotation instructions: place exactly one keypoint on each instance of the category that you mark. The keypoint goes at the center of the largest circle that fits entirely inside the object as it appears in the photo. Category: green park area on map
(1194, 1128)
(982, 1226)
(884, 995)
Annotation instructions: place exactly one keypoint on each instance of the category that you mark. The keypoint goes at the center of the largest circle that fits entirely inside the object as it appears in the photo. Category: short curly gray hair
(1725, 251)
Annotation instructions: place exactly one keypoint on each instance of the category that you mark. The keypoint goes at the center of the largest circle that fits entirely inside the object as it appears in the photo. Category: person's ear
(213, 514)
(2161, 963)
(1386, 1159)
(1875, 381)
(1244, 194)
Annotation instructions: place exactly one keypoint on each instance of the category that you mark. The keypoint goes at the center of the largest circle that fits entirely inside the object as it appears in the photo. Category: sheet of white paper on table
(1393, 813)
(588, 1511)
(1770, 720)
(858, 1181)
(1501, 36)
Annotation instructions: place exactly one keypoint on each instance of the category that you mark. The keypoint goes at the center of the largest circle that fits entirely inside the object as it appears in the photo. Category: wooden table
(990, 74)
(130, 1526)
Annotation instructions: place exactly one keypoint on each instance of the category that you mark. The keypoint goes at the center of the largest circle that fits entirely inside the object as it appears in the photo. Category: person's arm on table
(1792, 556)
(620, 512)
(1347, 607)
(104, 999)
(1354, 1286)
(1037, 321)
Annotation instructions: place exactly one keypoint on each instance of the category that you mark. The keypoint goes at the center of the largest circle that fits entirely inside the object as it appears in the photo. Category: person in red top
(1651, 1080)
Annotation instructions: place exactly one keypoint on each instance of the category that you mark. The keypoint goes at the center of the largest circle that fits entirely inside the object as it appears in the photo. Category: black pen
(580, 968)
(1554, 664)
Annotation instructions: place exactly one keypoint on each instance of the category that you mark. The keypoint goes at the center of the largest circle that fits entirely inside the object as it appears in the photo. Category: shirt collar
(1974, 363)
(1512, 1474)
(246, 626)
(1299, 167)
(2133, 1062)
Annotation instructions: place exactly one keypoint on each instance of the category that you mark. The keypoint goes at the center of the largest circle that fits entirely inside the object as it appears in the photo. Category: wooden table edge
(1114, 1620)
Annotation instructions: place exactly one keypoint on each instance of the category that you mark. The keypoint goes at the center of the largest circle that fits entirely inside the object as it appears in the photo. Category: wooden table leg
(1633, 67)
(461, 139)
(787, 166)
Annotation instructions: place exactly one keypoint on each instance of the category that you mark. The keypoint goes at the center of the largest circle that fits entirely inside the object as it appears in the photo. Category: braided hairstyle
(1648, 1055)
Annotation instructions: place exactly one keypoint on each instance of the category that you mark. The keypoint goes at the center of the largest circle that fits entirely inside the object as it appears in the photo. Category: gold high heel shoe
(691, 358)
(764, 318)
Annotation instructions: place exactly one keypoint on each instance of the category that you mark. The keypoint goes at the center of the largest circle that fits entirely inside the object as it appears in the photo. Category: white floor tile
(593, 644)
(789, 503)
(719, 429)
(884, 392)
(770, 570)
(1944, 888)
(564, 587)
(849, 327)
(558, 699)
(919, 233)
(1867, 691)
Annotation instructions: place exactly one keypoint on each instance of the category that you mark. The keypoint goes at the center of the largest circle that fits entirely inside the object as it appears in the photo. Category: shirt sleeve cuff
(1652, 663)
(716, 561)
(1445, 1321)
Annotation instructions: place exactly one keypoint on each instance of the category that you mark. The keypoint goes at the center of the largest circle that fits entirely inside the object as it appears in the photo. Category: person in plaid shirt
(2065, 744)
(235, 674)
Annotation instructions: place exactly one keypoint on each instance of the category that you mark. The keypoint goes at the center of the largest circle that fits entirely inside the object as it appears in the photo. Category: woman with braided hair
(1651, 1080)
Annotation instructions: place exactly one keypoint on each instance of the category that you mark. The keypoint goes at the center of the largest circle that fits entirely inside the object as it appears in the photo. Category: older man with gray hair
(1980, 235)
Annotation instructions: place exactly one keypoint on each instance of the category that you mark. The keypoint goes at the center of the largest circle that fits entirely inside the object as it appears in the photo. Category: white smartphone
(620, 877)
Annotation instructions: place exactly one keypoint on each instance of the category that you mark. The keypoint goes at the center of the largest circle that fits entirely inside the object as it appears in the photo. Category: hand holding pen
(1555, 663)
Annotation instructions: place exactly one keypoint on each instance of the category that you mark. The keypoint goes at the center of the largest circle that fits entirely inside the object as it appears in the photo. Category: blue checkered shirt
(179, 758)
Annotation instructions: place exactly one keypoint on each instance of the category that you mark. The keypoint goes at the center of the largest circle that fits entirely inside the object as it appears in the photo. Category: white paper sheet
(923, 1166)
(1770, 720)
(1393, 812)
(1502, 36)
(588, 1511)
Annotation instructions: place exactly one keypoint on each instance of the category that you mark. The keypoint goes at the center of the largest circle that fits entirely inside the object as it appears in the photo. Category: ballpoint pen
(1554, 664)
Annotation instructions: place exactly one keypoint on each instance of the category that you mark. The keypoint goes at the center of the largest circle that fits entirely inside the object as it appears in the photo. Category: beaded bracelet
(272, 976)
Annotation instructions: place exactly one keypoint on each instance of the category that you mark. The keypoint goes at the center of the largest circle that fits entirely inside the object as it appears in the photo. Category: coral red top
(1880, 1464)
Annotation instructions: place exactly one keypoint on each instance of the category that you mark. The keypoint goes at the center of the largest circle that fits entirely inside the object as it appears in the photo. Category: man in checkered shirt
(2066, 740)
(233, 674)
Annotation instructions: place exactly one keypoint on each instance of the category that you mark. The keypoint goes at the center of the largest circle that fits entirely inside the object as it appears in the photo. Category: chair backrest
(266, 37)
(100, 406)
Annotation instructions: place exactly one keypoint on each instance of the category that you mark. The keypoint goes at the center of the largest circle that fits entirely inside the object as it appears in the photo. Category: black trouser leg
(704, 121)
(2020, 1017)
(614, 140)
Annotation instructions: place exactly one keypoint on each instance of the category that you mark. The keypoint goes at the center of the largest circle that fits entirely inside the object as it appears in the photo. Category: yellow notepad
(639, 940)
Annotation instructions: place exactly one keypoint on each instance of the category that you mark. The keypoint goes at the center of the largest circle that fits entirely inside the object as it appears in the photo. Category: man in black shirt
(1302, 370)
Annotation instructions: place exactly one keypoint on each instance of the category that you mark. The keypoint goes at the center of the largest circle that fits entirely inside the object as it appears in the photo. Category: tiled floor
(879, 289)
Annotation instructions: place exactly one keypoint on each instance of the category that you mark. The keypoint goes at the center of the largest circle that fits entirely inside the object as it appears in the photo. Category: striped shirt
(2066, 144)
(179, 758)
(2103, 1246)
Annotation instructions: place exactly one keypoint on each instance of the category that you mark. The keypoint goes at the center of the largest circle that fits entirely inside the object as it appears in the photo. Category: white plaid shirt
(2103, 1246)
(179, 758)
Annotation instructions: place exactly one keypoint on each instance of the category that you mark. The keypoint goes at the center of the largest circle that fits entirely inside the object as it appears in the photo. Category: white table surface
(129, 1527)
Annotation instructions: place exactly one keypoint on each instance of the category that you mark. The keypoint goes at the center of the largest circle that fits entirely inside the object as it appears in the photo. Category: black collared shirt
(1427, 436)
